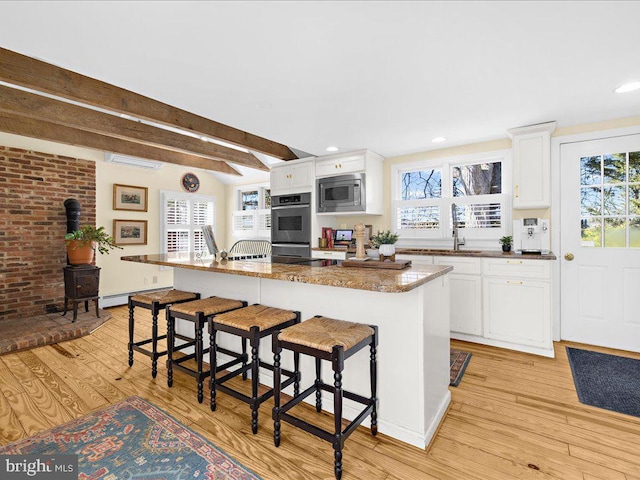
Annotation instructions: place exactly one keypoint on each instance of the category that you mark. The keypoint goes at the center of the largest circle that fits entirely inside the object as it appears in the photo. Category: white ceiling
(388, 76)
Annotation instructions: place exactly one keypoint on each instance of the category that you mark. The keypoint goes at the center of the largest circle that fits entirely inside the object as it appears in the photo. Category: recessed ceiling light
(627, 87)
(332, 149)
(263, 105)
(438, 140)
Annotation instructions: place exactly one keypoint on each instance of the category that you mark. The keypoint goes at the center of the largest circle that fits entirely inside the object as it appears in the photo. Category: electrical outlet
(155, 279)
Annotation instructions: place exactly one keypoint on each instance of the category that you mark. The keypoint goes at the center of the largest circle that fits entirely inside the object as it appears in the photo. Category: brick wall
(33, 188)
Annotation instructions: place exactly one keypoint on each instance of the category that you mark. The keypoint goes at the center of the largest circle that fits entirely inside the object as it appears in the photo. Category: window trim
(441, 237)
(258, 217)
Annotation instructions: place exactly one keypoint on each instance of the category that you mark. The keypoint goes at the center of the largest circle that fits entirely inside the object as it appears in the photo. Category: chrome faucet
(456, 241)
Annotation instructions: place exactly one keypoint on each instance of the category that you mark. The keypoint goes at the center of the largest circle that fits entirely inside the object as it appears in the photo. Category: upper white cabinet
(532, 165)
(360, 161)
(294, 176)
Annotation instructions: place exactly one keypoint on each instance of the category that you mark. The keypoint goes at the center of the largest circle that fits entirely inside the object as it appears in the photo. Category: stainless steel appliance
(291, 225)
(344, 193)
(531, 235)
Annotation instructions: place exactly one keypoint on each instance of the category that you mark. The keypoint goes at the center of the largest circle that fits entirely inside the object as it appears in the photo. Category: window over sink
(423, 193)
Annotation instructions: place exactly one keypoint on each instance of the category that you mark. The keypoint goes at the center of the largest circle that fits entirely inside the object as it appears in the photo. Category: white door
(600, 242)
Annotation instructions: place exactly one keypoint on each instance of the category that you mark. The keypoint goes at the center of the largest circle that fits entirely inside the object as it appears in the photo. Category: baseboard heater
(123, 298)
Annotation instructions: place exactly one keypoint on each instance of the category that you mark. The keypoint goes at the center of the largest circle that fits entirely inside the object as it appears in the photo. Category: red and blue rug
(133, 439)
(458, 361)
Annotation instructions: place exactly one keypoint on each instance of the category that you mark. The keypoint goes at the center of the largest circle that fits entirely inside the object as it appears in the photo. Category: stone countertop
(373, 279)
(475, 253)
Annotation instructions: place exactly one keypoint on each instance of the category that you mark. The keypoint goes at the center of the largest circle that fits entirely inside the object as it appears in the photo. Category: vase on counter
(387, 249)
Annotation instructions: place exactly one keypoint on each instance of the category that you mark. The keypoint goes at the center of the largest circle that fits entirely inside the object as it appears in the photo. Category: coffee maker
(531, 235)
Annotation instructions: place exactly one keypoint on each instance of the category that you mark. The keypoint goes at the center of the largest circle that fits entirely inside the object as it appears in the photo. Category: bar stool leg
(255, 377)
(170, 340)
(213, 362)
(317, 384)
(276, 390)
(374, 383)
(338, 366)
(244, 357)
(131, 324)
(154, 339)
(198, 325)
(296, 372)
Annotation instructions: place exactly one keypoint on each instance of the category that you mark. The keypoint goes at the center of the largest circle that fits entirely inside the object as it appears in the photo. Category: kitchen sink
(438, 251)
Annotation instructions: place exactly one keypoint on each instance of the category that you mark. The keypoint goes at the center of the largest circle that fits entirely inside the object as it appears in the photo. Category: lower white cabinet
(516, 297)
(466, 293)
(518, 311)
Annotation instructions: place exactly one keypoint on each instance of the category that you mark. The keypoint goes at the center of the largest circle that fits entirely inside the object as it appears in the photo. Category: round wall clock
(190, 182)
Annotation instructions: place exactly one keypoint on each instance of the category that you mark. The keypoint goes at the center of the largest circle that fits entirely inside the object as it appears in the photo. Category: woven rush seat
(198, 312)
(322, 333)
(335, 341)
(208, 306)
(154, 301)
(164, 296)
(259, 316)
(253, 323)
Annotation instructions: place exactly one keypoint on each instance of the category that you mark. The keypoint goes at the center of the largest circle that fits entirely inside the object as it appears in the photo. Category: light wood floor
(513, 416)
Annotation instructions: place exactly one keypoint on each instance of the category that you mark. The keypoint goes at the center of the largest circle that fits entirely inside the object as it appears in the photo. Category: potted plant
(83, 243)
(384, 242)
(506, 242)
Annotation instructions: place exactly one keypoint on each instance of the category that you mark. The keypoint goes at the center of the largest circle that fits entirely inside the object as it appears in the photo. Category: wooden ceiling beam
(35, 128)
(37, 75)
(47, 109)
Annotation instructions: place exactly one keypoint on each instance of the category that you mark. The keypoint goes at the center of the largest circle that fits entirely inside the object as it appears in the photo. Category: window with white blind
(423, 194)
(183, 215)
(252, 216)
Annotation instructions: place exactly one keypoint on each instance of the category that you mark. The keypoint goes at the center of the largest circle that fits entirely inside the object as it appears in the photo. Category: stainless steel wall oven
(291, 225)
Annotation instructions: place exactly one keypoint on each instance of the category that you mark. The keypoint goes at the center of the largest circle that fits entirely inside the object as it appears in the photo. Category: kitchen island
(410, 307)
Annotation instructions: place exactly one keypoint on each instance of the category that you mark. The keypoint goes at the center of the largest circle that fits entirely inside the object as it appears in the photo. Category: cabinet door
(466, 303)
(340, 166)
(301, 177)
(517, 311)
(532, 166)
(294, 178)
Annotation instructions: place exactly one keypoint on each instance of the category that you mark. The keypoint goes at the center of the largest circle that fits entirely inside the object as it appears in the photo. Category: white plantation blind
(252, 215)
(183, 215)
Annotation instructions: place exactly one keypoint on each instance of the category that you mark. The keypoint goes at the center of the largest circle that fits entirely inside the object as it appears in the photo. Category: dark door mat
(26, 333)
(606, 381)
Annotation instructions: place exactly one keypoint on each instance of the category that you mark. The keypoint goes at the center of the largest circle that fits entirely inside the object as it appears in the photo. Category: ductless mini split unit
(132, 161)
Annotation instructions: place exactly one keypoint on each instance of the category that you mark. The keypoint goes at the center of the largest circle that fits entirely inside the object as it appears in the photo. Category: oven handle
(305, 205)
(291, 245)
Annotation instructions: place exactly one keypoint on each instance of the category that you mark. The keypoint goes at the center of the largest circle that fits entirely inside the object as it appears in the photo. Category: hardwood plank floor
(513, 416)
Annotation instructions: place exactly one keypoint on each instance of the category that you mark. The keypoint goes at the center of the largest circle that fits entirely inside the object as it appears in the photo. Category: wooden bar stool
(154, 301)
(253, 323)
(334, 340)
(198, 312)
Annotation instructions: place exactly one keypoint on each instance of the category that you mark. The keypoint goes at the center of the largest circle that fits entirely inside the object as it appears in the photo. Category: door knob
(569, 256)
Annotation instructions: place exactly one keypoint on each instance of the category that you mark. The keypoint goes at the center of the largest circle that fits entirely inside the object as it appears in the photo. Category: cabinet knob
(568, 257)
(517, 191)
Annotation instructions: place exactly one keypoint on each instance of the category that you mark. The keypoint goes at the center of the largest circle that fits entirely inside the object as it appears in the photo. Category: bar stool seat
(198, 312)
(253, 323)
(333, 340)
(154, 301)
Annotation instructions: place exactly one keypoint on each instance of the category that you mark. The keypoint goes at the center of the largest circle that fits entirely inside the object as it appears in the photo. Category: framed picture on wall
(130, 232)
(129, 197)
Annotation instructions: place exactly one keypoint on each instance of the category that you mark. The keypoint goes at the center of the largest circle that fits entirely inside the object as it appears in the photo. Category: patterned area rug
(134, 439)
(458, 361)
(606, 381)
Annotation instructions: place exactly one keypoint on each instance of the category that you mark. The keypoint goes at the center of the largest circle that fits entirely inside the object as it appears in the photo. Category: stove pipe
(73, 214)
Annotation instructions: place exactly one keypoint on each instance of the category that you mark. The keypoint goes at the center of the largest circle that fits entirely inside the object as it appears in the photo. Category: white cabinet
(416, 259)
(295, 176)
(517, 302)
(360, 161)
(466, 293)
(532, 165)
(341, 163)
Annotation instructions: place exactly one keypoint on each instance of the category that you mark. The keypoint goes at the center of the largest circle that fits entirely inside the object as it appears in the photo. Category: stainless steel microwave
(344, 193)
